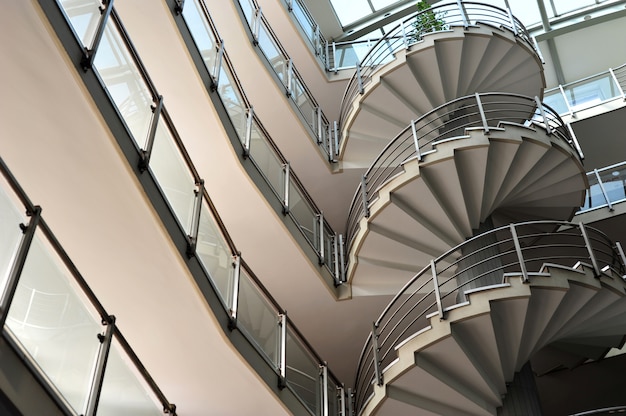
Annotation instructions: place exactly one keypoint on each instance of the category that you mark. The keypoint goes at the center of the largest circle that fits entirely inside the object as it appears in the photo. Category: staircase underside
(441, 67)
(512, 174)
(461, 365)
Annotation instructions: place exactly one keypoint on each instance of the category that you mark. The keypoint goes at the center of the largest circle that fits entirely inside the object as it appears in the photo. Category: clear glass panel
(201, 33)
(248, 10)
(556, 101)
(233, 101)
(304, 103)
(303, 19)
(55, 323)
(215, 254)
(565, 6)
(333, 398)
(10, 220)
(614, 181)
(266, 160)
(84, 16)
(590, 92)
(173, 175)
(124, 83)
(304, 215)
(303, 373)
(272, 53)
(124, 390)
(258, 318)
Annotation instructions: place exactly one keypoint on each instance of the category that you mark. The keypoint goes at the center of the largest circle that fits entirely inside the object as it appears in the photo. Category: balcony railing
(448, 121)
(518, 249)
(412, 29)
(568, 99)
(49, 314)
(257, 145)
(607, 186)
(320, 128)
(161, 154)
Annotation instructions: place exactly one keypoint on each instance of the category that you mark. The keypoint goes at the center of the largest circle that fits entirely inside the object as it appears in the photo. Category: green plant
(426, 21)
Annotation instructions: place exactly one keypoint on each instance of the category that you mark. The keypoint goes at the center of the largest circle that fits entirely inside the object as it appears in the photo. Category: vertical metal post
(316, 40)
(179, 6)
(256, 26)
(335, 58)
(358, 78)
(192, 237)
(542, 112)
(145, 154)
(619, 87)
(416, 141)
(101, 362)
(350, 402)
(622, 257)
(342, 261)
(575, 141)
(289, 5)
(366, 208)
(543, 61)
(336, 138)
(511, 18)
(18, 264)
(603, 189)
(336, 259)
(288, 87)
(282, 375)
(248, 138)
(218, 65)
(325, 397)
(520, 256)
(405, 41)
(463, 13)
(342, 401)
(318, 111)
(479, 103)
(90, 54)
(286, 190)
(235, 298)
(569, 107)
(375, 356)
(592, 256)
(321, 251)
(433, 270)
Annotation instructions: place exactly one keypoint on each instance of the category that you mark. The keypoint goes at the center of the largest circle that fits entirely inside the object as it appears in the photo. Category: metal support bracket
(101, 362)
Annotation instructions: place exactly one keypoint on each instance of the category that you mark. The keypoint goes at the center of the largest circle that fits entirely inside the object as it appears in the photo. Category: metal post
(463, 13)
(101, 362)
(249, 119)
(256, 26)
(520, 256)
(543, 61)
(336, 138)
(144, 160)
(90, 54)
(321, 258)
(433, 269)
(350, 402)
(18, 265)
(416, 140)
(179, 6)
(405, 41)
(366, 209)
(232, 324)
(289, 77)
(286, 190)
(192, 237)
(543, 115)
(575, 141)
(324, 389)
(282, 376)
(342, 401)
(482, 113)
(569, 107)
(342, 261)
(215, 77)
(619, 87)
(592, 256)
(358, 77)
(319, 124)
(336, 259)
(289, 5)
(316, 40)
(375, 352)
(620, 251)
(511, 18)
(604, 193)
(335, 58)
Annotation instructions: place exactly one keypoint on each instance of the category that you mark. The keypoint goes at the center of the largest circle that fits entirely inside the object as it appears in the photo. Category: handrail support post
(592, 256)
(520, 255)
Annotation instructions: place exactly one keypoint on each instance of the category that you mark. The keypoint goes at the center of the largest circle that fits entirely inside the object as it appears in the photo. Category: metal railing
(411, 30)
(607, 186)
(293, 83)
(450, 121)
(310, 29)
(257, 144)
(161, 154)
(570, 98)
(50, 315)
(517, 249)
(604, 411)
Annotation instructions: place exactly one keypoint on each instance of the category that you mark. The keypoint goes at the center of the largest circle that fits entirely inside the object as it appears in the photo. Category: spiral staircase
(471, 190)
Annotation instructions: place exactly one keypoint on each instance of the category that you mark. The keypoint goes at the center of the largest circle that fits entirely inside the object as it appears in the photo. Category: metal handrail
(450, 121)
(603, 411)
(506, 250)
(595, 178)
(411, 31)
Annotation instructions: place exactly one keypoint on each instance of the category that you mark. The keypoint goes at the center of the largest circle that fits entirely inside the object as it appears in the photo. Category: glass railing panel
(84, 16)
(55, 323)
(304, 215)
(233, 101)
(556, 100)
(273, 54)
(303, 373)
(202, 34)
(124, 389)
(304, 103)
(592, 91)
(258, 318)
(266, 160)
(10, 219)
(614, 182)
(172, 173)
(249, 9)
(122, 78)
(333, 398)
(215, 254)
(303, 19)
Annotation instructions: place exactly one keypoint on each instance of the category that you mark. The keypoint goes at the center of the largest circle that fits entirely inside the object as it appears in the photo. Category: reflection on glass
(10, 220)
(124, 83)
(266, 161)
(215, 254)
(258, 318)
(201, 32)
(302, 373)
(55, 323)
(273, 54)
(233, 101)
(124, 390)
(304, 216)
(84, 16)
(172, 174)
(333, 398)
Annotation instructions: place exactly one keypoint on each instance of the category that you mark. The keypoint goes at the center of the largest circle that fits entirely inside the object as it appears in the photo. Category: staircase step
(501, 155)
(508, 320)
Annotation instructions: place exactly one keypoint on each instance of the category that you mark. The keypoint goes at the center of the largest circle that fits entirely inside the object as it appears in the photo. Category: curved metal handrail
(450, 121)
(411, 30)
(521, 249)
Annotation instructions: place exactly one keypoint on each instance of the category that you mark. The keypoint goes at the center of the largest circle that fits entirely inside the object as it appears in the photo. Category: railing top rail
(605, 168)
(587, 78)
